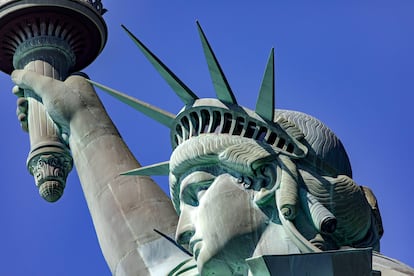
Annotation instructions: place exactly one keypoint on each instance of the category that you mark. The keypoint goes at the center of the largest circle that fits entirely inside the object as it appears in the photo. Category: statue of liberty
(243, 183)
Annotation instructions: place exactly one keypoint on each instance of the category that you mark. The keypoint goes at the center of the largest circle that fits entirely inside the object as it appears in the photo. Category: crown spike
(182, 91)
(220, 83)
(162, 168)
(265, 104)
(164, 117)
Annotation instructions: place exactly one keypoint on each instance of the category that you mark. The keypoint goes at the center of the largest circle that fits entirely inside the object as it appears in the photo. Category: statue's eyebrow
(194, 178)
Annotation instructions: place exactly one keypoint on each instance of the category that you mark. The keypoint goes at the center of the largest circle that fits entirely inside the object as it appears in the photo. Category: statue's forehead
(219, 152)
(195, 177)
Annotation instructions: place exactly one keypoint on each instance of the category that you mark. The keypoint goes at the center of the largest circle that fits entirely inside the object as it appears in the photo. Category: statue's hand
(62, 100)
(21, 110)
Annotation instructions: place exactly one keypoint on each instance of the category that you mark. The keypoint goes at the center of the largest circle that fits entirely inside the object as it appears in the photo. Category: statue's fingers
(22, 117)
(40, 84)
(24, 126)
(18, 91)
(21, 112)
(22, 105)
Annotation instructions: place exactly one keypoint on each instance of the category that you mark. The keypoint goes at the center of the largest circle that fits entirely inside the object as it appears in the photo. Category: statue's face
(219, 221)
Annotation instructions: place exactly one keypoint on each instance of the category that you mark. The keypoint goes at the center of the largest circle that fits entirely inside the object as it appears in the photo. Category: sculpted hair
(232, 152)
(320, 140)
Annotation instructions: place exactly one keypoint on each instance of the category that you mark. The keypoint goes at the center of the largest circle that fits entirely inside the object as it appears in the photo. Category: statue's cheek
(229, 208)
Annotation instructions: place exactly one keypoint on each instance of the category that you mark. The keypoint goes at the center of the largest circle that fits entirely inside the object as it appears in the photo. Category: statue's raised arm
(125, 210)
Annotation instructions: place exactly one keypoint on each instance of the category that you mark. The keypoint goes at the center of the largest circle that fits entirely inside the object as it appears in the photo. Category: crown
(223, 115)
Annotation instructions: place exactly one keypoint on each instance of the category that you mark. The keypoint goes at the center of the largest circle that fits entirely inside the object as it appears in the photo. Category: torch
(54, 38)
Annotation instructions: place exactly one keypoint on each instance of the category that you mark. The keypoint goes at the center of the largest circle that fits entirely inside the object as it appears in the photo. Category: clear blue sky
(348, 63)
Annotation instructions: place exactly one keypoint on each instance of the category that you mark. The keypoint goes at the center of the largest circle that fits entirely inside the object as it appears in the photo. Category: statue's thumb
(30, 80)
(21, 79)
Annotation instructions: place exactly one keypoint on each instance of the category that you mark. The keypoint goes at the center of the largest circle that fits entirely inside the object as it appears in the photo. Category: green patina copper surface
(275, 181)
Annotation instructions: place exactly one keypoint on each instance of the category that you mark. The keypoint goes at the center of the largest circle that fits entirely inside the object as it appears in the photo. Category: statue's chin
(229, 259)
(215, 267)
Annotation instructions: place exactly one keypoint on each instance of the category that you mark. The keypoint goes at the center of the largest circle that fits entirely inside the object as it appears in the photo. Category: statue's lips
(195, 247)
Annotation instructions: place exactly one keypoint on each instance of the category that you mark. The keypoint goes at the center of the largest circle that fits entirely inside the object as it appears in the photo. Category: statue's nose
(185, 229)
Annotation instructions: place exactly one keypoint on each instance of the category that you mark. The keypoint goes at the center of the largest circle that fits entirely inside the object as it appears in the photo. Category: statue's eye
(201, 193)
(192, 194)
(194, 186)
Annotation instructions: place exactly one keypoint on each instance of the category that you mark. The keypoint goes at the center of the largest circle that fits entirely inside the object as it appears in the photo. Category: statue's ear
(266, 181)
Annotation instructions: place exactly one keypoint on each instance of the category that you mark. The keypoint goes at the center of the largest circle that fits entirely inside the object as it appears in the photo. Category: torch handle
(39, 122)
(49, 160)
